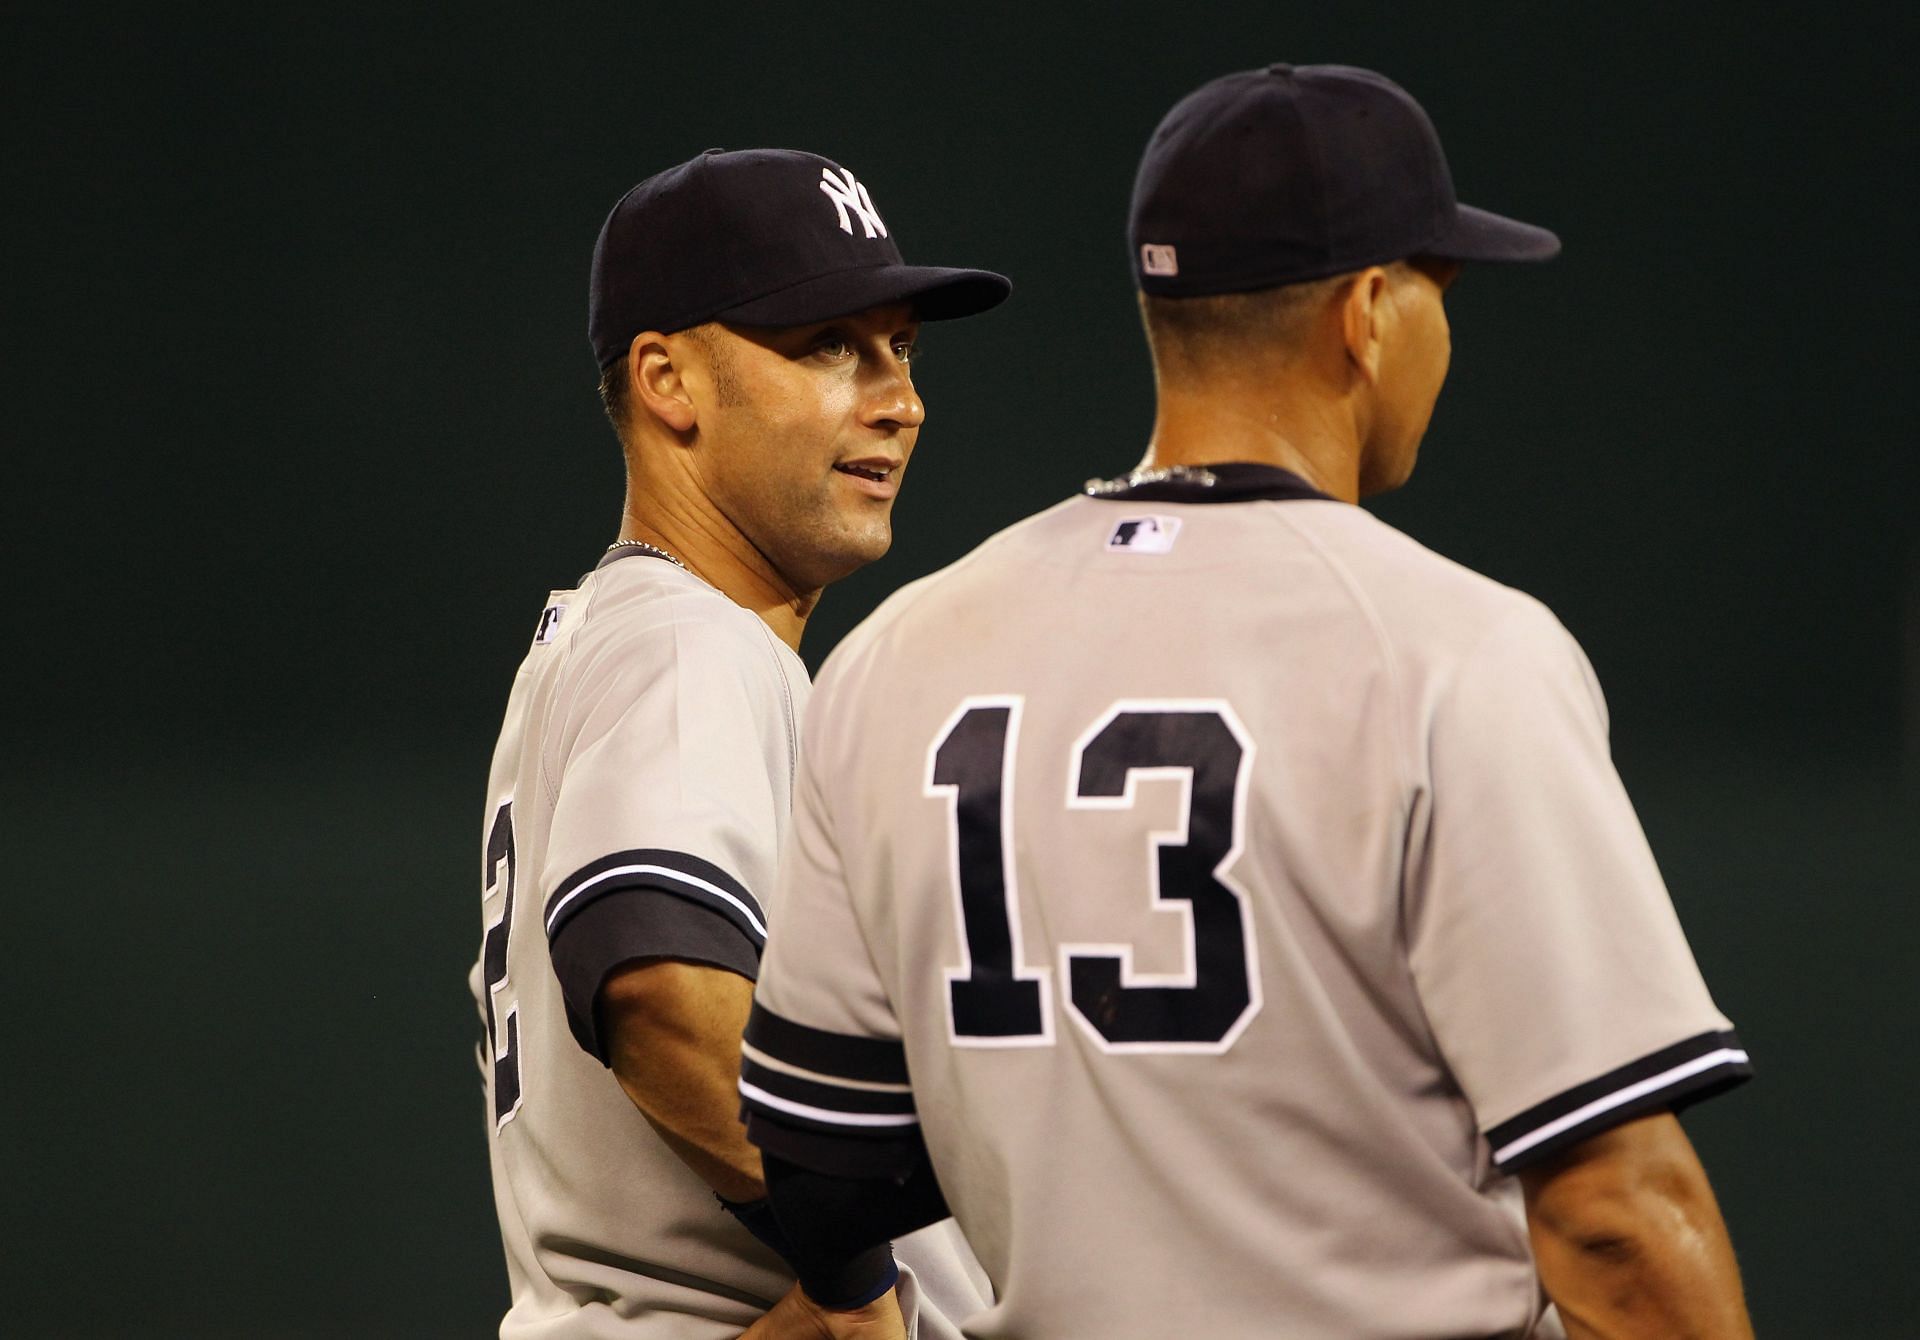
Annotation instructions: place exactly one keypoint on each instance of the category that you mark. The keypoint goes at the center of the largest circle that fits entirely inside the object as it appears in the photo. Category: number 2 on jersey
(503, 1033)
(993, 1001)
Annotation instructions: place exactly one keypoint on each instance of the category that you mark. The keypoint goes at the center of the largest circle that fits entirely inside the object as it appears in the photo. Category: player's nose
(891, 400)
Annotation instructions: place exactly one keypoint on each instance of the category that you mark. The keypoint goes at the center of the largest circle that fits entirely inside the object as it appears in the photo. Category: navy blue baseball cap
(758, 237)
(1278, 176)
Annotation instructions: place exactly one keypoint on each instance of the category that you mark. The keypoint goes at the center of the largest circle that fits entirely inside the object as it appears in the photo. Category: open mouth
(865, 471)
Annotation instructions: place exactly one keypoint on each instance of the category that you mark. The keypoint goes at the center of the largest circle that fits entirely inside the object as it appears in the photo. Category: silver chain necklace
(1165, 474)
(653, 549)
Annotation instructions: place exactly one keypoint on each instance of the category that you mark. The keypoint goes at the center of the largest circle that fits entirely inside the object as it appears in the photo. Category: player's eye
(833, 346)
(907, 351)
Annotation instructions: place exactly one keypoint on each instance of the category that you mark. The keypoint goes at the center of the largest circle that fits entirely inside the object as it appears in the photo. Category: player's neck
(785, 614)
(712, 549)
(1202, 425)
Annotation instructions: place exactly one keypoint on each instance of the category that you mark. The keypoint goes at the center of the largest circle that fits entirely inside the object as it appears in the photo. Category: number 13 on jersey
(994, 999)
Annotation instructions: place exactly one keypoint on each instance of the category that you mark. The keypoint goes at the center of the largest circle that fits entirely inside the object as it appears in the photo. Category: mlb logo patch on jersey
(549, 623)
(1144, 534)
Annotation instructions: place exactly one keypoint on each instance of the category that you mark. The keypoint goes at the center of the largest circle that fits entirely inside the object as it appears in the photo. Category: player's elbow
(1615, 1210)
(1625, 1228)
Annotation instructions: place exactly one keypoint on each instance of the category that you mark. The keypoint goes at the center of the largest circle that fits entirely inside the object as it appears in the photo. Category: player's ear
(656, 376)
(1363, 318)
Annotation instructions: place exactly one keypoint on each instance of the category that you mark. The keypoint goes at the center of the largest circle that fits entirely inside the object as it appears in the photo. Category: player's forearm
(1629, 1241)
(1679, 1282)
(674, 1045)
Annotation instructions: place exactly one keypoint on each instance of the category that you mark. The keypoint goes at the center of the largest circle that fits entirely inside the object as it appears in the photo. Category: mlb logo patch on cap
(1144, 534)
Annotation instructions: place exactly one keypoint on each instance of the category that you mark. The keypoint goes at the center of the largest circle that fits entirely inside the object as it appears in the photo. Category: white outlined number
(993, 1001)
(990, 1002)
(503, 1029)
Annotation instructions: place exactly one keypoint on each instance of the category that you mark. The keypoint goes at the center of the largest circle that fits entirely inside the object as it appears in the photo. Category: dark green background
(300, 428)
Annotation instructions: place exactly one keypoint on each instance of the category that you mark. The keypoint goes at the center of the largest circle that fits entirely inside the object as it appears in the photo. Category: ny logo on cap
(846, 193)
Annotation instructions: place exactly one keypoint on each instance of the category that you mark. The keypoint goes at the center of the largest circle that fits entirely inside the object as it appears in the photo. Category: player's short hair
(728, 387)
(616, 388)
(1188, 334)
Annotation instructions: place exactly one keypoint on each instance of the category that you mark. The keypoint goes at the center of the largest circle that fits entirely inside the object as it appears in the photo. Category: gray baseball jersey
(1232, 893)
(639, 792)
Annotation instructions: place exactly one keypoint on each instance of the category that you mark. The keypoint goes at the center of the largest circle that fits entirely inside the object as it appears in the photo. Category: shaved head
(1187, 335)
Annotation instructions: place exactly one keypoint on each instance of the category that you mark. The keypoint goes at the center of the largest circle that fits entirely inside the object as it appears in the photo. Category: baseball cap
(761, 237)
(1276, 176)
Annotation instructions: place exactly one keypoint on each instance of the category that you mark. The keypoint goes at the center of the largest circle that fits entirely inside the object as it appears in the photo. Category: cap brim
(1477, 235)
(937, 294)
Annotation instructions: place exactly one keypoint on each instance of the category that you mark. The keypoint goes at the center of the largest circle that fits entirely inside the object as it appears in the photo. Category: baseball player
(1227, 906)
(754, 325)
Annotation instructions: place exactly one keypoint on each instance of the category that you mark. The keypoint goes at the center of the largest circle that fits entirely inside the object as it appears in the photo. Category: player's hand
(798, 1317)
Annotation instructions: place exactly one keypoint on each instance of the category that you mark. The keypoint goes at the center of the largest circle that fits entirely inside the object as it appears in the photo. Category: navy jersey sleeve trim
(852, 1105)
(841, 1055)
(674, 872)
(1671, 1078)
(638, 922)
(838, 1151)
(851, 1115)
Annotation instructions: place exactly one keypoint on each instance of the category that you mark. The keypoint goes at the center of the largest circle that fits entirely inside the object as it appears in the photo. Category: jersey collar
(1232, 481)
(632, 549)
